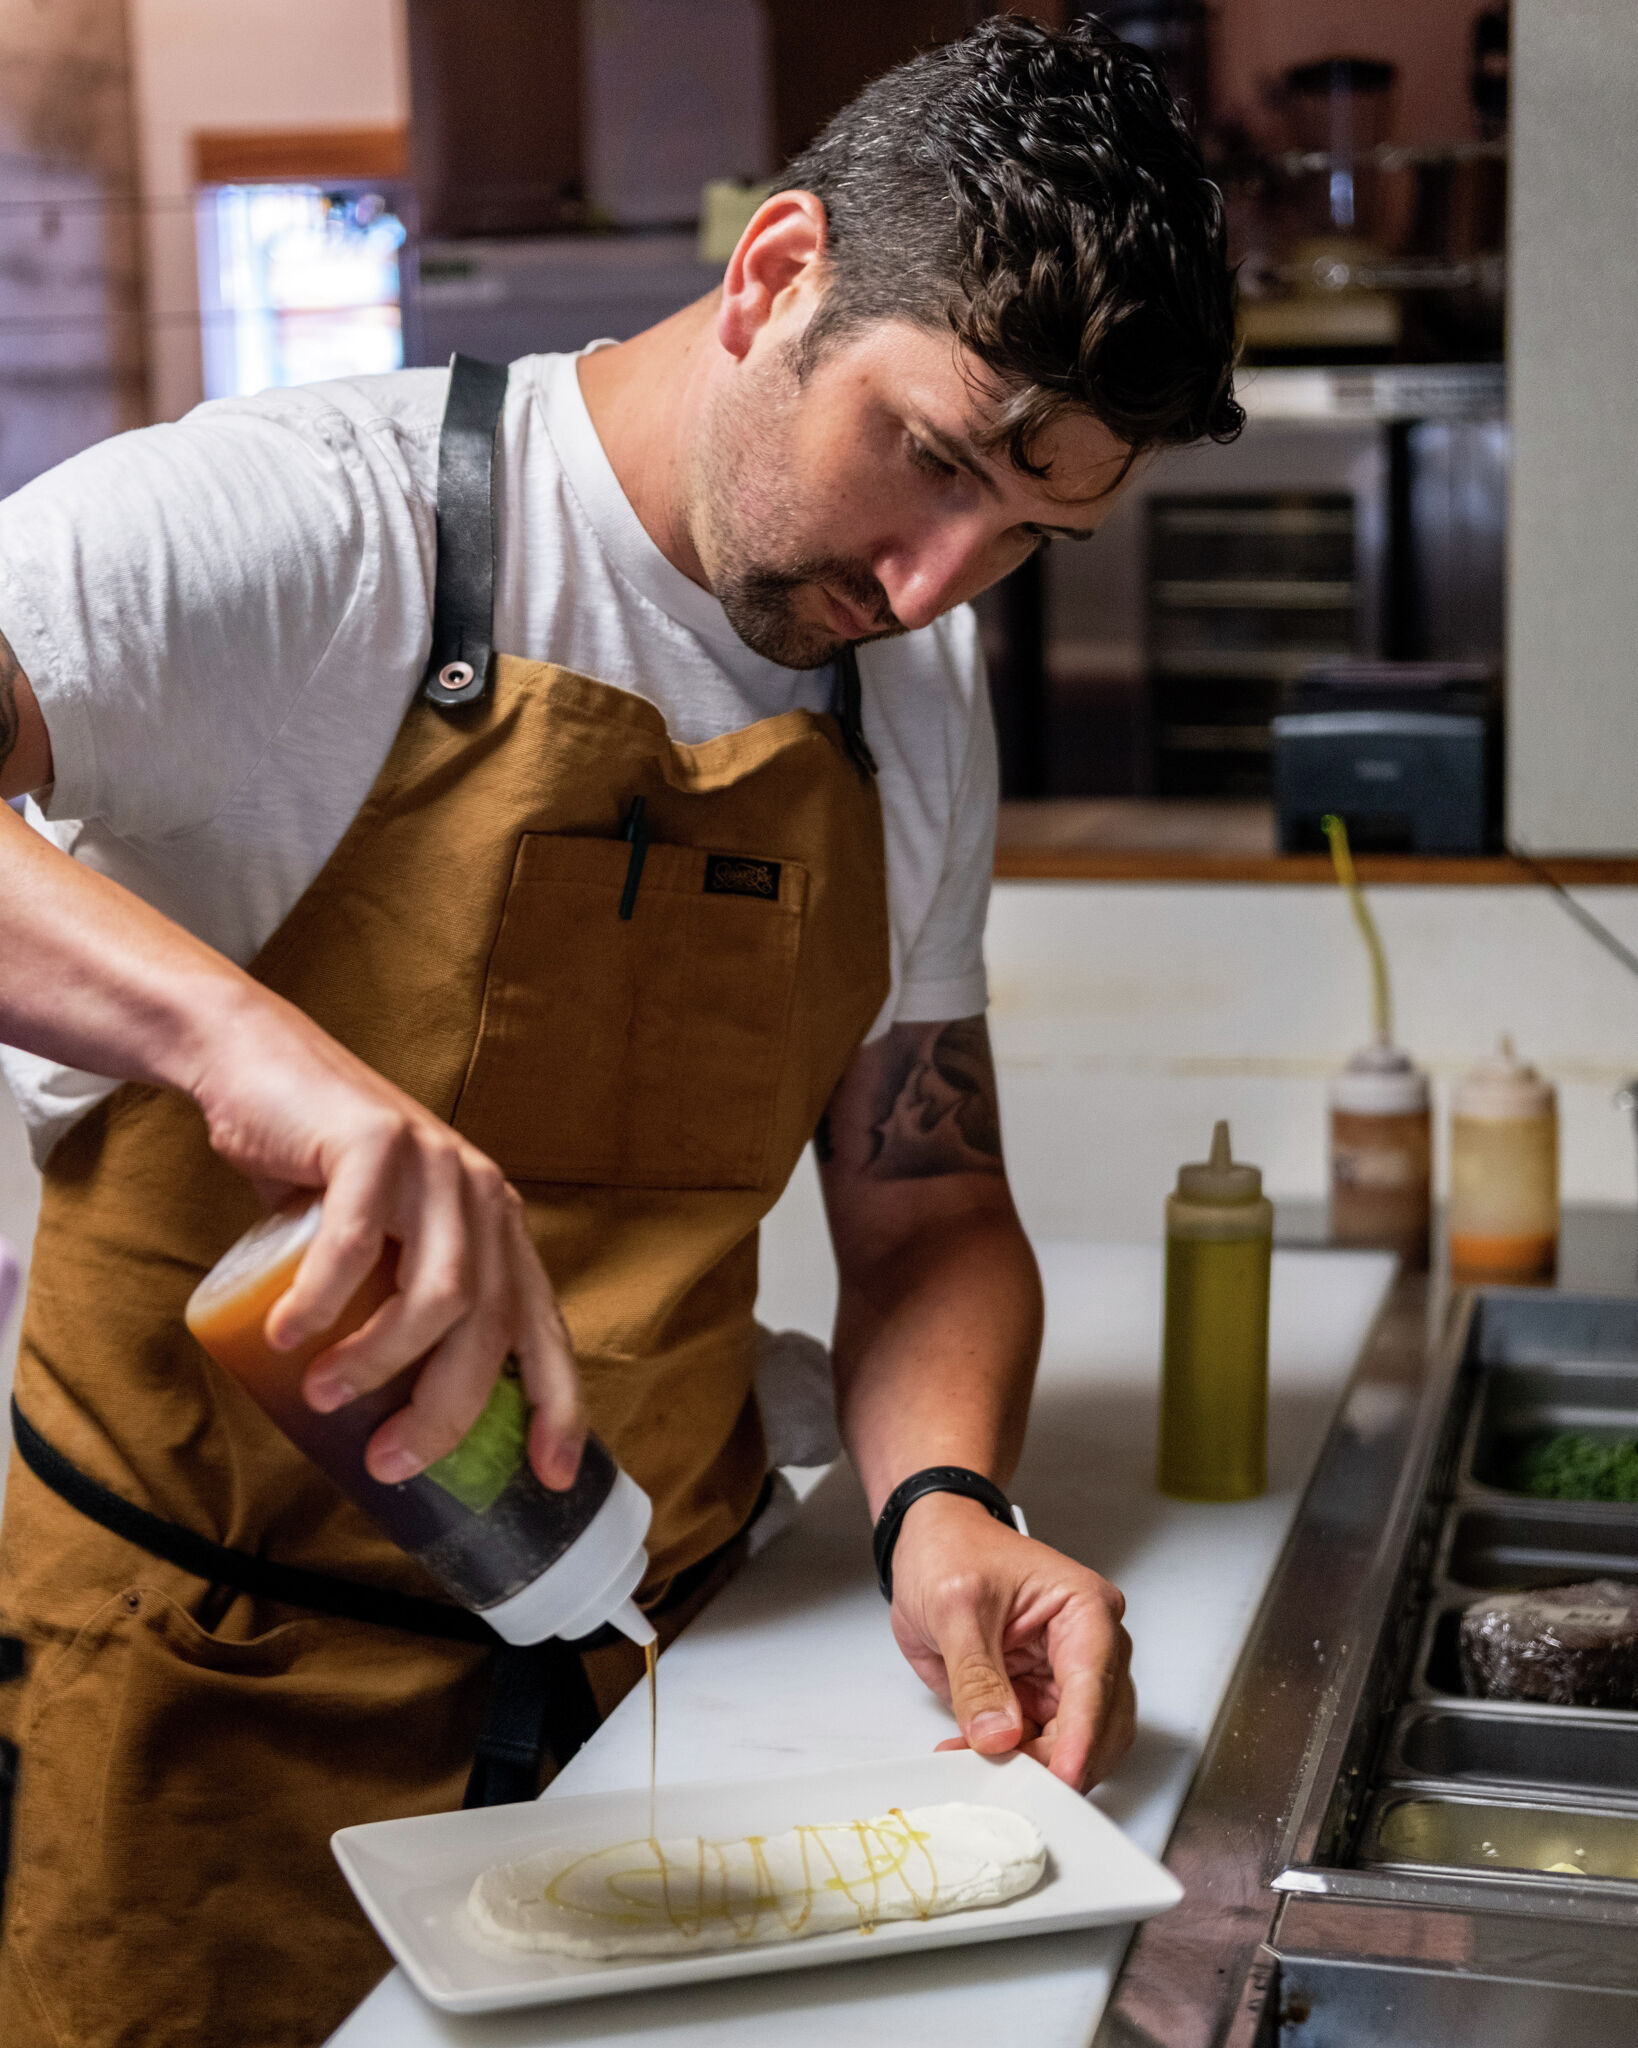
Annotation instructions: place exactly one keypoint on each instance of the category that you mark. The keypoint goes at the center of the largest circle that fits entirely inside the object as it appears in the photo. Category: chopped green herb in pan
(1573, 1466)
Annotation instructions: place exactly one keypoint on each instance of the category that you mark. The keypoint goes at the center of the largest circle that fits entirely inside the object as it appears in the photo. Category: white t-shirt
(224, 621)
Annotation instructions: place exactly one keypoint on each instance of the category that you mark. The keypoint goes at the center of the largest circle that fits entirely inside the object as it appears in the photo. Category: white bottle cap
(592, 1582)
(1380, 1080)
(1501, 1089)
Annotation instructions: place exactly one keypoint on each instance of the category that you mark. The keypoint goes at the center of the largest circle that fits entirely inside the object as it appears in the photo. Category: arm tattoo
(935, 1112)
(11, 722)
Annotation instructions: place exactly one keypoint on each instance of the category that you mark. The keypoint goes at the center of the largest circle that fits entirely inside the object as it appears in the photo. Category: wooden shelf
(1138, 839)
(295, 156)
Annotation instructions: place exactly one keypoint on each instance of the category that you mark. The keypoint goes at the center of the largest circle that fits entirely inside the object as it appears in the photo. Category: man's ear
(780, 253)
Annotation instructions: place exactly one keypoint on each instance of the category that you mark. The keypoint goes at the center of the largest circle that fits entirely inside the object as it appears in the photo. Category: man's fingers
(1091, 1658)
(351, 1234)
(1025, 1644)
(1118, 1729)
(469, 1291)
(1079, 1705)
(557, 1429)
(449, 1266)
(968, 1637)
(454, 1383)
(447, 1398)
(445, 1273)
(514, 1312)
(1033, 1740)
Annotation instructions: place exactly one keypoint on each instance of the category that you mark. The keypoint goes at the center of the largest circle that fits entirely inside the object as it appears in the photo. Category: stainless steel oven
(1361, 514)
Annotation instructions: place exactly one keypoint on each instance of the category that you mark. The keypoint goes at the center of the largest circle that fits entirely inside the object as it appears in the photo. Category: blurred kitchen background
(1419, 558)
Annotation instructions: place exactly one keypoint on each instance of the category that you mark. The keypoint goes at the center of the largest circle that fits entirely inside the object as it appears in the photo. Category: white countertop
(793, 1667)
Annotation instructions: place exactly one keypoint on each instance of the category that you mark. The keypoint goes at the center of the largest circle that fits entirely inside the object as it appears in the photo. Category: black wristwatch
(934, 1479)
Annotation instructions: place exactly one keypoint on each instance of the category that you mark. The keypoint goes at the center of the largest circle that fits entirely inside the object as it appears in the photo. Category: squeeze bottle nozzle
(631, 1621)
(1221, 1178)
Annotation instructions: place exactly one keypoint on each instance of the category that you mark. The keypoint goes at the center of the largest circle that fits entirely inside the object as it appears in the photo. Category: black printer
(1406, 753)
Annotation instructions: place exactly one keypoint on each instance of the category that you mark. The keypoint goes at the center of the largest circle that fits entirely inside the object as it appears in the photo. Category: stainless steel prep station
(1372, 1858)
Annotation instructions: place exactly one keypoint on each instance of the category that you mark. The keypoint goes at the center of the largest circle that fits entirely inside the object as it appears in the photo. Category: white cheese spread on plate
(649, 1897)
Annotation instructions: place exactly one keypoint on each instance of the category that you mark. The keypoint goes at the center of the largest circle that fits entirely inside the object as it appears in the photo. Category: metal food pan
(1535, 1326)
(1577, 1750)
(1438, 1663)
(1437, 1676)
(1515, 1404)
(1417, 1830)
(1516, 1547)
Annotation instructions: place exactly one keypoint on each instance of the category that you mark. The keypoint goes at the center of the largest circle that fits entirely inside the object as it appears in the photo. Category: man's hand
(937, 1331)
(290, 1108)
(93, 976)
(1024, 1645)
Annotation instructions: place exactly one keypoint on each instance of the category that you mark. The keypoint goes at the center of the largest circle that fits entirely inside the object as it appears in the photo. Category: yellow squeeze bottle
(1214, 1373)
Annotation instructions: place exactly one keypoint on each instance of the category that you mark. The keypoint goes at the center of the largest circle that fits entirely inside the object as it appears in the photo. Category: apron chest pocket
(639, 1051)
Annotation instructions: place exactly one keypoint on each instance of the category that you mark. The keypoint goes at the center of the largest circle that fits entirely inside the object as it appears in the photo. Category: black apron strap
(219, 1565)
(463, 594)
(539, 1698)
(849, 710)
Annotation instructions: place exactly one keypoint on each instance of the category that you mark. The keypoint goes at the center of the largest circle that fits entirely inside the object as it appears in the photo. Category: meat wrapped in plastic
(1569, 1646)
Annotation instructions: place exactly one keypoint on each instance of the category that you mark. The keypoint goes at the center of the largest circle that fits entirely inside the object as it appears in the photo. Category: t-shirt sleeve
(943, 974)
(171, 592)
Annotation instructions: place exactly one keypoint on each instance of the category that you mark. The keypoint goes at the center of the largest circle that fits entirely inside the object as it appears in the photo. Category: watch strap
(932, 1479)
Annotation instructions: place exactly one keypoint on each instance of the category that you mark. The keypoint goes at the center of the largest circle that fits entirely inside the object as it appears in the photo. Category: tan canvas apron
(648, 1081)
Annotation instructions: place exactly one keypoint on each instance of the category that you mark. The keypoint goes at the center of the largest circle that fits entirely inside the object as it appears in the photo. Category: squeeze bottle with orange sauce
(1503, 1171)
(532, 1562)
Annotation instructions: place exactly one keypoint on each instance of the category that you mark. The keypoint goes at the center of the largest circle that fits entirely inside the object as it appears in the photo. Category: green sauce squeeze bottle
(1214, 1374)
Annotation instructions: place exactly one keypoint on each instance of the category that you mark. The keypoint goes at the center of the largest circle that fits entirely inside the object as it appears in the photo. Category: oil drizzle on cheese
(694, 1892)
(651, 1663)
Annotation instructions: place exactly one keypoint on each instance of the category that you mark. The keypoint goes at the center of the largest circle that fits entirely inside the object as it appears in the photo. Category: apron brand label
(731, 874)
(476, 1472)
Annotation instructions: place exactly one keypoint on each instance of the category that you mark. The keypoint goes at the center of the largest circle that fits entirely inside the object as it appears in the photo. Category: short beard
(761, 603)
(743, 505)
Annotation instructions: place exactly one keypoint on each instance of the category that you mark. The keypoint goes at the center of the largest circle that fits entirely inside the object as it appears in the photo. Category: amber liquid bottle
(1503, 1172)
(1382, 1155)
(1214, 1371)
(535, 1563)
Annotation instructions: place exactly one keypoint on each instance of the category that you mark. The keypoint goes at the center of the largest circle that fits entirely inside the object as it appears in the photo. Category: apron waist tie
(539, 1696)
(220, 1565)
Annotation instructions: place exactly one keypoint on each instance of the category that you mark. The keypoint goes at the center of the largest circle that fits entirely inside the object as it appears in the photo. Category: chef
(530, 805)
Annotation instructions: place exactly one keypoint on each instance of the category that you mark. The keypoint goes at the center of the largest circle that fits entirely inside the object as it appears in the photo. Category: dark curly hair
(1036, 192)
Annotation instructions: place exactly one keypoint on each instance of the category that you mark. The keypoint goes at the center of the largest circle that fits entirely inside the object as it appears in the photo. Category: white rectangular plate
(412, 1876)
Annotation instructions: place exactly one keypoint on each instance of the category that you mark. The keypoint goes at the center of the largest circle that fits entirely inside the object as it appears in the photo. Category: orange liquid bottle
(533, 1562)
(1503, 1172)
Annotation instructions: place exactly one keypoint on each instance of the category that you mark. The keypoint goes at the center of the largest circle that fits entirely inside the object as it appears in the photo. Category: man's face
(858, 502)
